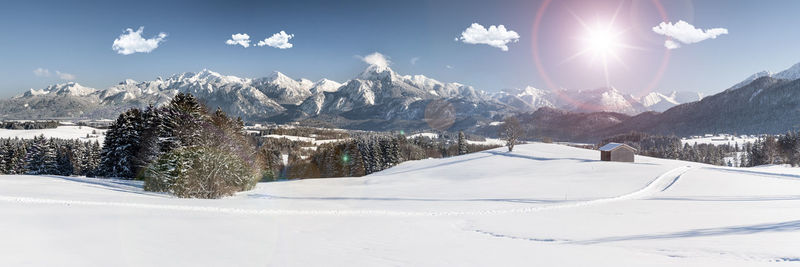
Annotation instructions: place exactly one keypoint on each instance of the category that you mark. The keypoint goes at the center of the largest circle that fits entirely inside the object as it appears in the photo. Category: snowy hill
(543, 204)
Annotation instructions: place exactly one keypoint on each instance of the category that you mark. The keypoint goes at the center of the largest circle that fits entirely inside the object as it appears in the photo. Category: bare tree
(511, 132)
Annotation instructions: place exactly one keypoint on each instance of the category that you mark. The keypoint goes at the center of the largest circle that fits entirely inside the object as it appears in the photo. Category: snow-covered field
(487, 141)
(303, 139)
(720, 140)
(64, 132)
(542, 205)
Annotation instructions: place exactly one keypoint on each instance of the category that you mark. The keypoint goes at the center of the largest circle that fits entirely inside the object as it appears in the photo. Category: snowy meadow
(543, 204)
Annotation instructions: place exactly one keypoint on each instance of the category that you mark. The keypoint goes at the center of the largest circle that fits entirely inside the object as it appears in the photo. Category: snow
(721, 139)
(303, 139)
(610, 146)
(543, 204)
(488, 141)
(429, 135)
(63, 132)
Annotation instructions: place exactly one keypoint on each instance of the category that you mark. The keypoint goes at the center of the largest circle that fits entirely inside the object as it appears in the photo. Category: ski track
(660, 183)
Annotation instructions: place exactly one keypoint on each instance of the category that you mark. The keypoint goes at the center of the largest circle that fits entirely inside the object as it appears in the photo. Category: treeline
(769, 149)
(369, 153)
(28, 125)
(671, 147)
(43, 156)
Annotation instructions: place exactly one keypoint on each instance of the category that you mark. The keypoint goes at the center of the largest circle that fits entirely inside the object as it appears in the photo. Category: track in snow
(661, 183)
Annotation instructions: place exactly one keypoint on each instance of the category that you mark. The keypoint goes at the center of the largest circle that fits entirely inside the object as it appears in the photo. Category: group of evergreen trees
(182, 149)
(43, 156)
(28, 125)
(671, 147)
(767, 149)
(782, 149)
(369, 153)
(355, 157)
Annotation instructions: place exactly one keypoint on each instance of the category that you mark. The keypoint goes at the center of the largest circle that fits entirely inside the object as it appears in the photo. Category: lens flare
(601, 41)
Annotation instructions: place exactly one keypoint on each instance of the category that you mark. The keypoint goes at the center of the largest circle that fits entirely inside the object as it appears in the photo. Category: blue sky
(76, 38)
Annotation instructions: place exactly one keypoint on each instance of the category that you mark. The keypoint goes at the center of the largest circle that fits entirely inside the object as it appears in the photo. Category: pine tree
(182, 123)
(3, 157)
(92, 165)
(64, 160)
(18, 159)
(462, 144)
(150, 140)
(34, 158)
(77, 157)
(123, 140)
(356, 168)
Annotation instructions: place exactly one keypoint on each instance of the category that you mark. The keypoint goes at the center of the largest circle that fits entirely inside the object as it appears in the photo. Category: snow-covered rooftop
(612, 146)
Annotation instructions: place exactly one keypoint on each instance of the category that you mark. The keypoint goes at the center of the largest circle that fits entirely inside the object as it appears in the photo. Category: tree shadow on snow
(125, 186)
(507, 154)
(787, 176)
(787, 226)
(512, 200)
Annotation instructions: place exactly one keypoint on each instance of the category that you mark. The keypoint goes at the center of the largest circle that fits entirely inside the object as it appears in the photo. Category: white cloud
(414, 60)
(65, 76)
(239, 39)
(670, 44)
(41, 72)
(685, 33)
(132, 42)
(496, 36)
(377, 59)
(448, 66)
(278, 40)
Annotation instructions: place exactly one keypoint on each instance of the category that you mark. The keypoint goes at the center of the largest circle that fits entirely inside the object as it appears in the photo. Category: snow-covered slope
(543, 205)
(83, 133)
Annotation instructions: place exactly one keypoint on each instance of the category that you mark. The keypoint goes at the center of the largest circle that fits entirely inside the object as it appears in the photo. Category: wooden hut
(617, 152)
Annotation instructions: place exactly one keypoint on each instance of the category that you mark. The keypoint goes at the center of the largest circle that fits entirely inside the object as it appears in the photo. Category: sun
(601, 42)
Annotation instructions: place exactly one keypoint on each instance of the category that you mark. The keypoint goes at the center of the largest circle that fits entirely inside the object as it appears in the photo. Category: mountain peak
(325, 85)
(128, 82)
(376, 71)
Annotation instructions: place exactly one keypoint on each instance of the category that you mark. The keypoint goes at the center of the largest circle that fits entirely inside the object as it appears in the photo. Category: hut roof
(612, 146)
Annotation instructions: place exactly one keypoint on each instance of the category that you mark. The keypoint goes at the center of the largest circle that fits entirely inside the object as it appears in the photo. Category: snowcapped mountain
(687, 97)
(658, 102)
(283, 89)
(392, 94)
(377, 93)
(792, 73)
(63, 89)
(597, 100)
(325, 85)
(529, 98)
